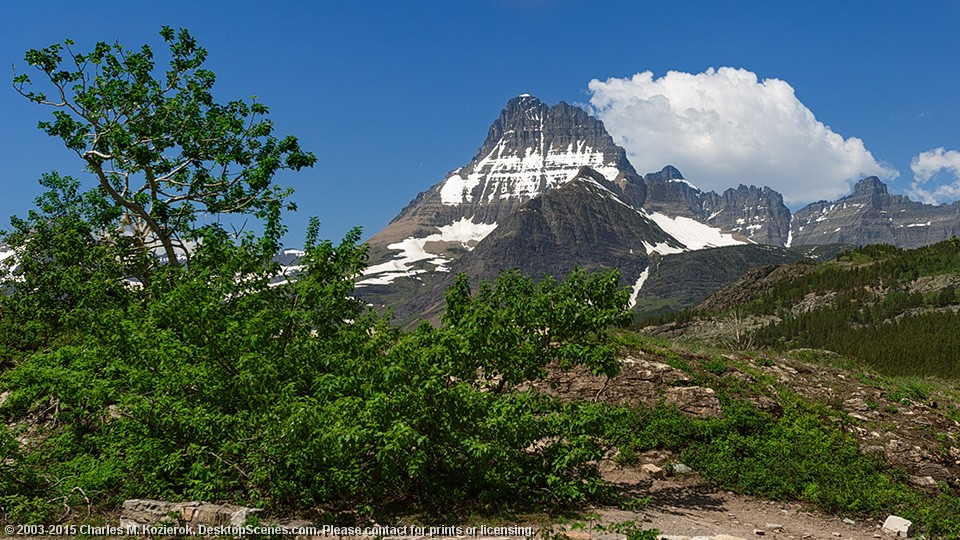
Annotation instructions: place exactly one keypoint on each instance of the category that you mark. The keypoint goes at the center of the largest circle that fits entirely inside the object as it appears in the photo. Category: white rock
(898, 526)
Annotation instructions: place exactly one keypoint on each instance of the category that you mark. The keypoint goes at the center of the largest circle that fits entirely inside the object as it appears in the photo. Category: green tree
(161, 148)
(514, 327)
(223, 380)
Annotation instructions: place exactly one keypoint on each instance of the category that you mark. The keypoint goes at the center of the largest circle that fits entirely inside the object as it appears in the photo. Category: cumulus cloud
(724, 127)
(925, 167)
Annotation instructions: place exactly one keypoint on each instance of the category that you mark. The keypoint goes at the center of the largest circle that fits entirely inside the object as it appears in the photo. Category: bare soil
(688, 506)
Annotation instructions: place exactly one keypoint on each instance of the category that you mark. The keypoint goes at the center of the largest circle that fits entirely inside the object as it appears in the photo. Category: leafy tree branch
(158, 143)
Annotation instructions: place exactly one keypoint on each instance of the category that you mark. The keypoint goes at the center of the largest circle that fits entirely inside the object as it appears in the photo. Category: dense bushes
(216, 381)
(147, 353)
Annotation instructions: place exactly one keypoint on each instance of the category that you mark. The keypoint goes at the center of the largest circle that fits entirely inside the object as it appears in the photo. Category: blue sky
(393, 95)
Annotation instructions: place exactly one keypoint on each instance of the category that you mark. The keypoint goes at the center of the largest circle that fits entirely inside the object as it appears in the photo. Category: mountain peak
(523, 102)
(528, 127)
(870, 184)
(667, 173)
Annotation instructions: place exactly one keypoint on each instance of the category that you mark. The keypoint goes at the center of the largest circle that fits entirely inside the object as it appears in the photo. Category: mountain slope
(584, 224)
(685, 279)
(897, 310)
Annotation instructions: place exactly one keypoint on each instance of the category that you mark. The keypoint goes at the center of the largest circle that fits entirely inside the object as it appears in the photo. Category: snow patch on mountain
(684, 181)
(662, 248)
(790, 232)
(505, 174)
(413, 250)
(465, 231)
(636, 286)
(691, 233)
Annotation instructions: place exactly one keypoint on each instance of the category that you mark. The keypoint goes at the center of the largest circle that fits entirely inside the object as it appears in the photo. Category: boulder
(140, 513)
(902, 528)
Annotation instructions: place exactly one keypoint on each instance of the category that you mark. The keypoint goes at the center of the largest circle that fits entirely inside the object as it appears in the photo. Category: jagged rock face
(753, 213)
(529, 150)
(669, 193)
(870, 215)
(585, 223)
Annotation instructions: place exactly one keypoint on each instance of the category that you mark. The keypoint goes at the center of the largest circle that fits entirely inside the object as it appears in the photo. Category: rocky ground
(687, 507)
(681, 507)
(910, 424)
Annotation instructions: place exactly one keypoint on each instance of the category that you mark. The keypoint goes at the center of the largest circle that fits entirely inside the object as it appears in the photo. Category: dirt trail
(690, 507)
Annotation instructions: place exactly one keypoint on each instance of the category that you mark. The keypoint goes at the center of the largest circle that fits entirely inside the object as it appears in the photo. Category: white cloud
(929, 163)
(723, 127)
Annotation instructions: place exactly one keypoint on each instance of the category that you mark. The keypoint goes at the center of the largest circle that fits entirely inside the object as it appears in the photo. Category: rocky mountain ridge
(871, 215)
(549, 190)
(754, 213)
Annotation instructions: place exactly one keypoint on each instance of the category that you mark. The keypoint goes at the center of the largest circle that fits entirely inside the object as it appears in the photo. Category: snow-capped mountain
(530, 149)
(547, 191)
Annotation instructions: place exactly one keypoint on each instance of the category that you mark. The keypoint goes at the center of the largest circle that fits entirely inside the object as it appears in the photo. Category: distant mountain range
(549, 190)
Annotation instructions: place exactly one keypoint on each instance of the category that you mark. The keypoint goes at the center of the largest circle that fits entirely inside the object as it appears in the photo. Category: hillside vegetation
(896, 309)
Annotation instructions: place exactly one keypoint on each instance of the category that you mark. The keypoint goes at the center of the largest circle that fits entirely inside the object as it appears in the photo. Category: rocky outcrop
(640, 382)
(870, 215)
(694, 400)
(138, 516)
(898, 526)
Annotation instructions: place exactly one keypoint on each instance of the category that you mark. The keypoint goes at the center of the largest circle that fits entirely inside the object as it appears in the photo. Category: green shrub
(204, 386)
